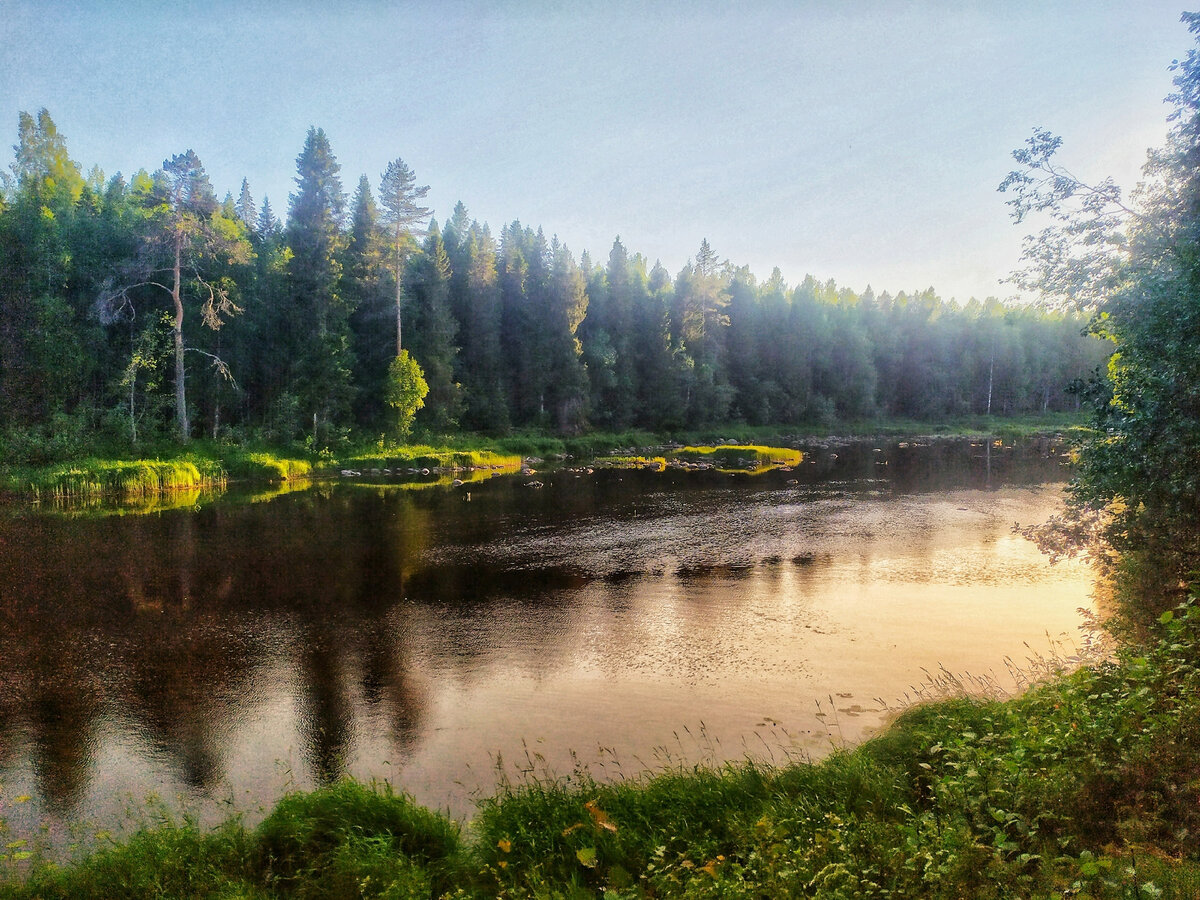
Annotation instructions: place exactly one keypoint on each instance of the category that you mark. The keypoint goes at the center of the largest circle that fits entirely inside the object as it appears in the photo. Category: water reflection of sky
(624, 621)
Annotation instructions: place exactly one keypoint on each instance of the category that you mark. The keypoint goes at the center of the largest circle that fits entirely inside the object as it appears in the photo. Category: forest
(145, 309)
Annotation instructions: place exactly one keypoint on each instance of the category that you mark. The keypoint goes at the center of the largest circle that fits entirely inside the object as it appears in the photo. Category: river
(442, 637)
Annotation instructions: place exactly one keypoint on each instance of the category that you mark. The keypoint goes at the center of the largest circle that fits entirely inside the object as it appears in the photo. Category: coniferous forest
(145, 311)
(141, 308)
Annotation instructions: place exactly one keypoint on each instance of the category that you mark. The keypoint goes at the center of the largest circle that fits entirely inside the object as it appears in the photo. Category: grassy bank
(197, 468)
(423, 456)
(129, 479)
(605, 443)
(204, 464)
(1085, 786)
(723, 457)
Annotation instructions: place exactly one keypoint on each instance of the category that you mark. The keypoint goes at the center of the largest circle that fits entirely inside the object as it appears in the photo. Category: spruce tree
(315, 323)
(434, 332)
(245, 207)
(365, 287)
(267, 224)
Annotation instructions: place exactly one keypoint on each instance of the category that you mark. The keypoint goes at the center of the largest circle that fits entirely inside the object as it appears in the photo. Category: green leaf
(586, 856)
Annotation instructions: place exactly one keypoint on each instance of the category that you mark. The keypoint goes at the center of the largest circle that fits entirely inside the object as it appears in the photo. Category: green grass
(657, 463)
(264, 466)
(420, 456)
(1085, 784)
(724, 457)
(123, 478)
(741, 456)
(201, 466)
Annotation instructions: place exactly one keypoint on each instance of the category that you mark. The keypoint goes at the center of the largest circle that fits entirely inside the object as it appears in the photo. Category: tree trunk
(991, 371)
(181, 417)
(399, 297)
(133, 409)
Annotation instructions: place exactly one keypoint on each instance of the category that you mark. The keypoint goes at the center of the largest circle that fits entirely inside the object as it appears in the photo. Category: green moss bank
(133, 479)
(1085, 786)
(205, 464)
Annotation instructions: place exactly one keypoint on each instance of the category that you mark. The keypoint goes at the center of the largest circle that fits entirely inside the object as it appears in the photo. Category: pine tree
(402, 217)
(567, 303)
(187, 229)
(481, 369)
(44, 332)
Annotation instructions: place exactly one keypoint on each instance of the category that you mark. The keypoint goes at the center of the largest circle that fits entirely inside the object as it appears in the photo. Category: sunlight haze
(860, 142)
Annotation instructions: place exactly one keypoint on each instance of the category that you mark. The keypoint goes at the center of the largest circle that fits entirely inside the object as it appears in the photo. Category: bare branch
(219, 364)
(115, 303)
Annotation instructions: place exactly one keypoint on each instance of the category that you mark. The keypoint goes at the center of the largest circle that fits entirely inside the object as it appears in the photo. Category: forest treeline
(137, 309)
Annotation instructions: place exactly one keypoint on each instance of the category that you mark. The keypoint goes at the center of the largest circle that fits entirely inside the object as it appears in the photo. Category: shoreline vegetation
(201, 466)
(1083, 786)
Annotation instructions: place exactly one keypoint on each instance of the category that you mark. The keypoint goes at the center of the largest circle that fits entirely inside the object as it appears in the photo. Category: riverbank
(1084, 784)
(207, 466)
(204, 465)
(594, 444)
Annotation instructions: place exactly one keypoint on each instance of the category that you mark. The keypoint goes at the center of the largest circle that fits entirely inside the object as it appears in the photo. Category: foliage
(423, 456)
(405, 391)
(1134, 266)
(184, 229)
(742, 456)
(90, 477)
(307, 837)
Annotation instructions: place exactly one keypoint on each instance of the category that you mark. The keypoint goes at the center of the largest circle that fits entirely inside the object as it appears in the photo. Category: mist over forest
(139, 307)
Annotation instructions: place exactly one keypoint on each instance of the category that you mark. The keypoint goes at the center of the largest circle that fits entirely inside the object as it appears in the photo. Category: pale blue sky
(860, 141)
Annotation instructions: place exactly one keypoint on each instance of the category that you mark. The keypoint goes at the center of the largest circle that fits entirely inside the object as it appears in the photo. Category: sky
(859, 141)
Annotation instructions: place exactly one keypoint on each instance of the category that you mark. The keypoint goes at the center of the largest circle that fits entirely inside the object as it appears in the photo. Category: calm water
(433, 637)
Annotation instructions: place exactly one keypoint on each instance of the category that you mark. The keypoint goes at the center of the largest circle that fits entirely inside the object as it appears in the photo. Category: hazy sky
(860, 141)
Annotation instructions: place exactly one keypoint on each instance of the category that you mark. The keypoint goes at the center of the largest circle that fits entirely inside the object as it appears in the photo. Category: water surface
(220, 655)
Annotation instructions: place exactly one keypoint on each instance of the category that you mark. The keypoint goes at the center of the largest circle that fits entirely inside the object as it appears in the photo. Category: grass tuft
(347, 826)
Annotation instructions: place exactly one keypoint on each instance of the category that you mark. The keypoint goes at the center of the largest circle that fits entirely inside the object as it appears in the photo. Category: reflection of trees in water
(179, 678)
(167, 623)
(61, 719)
(50, 697)
(171, 624)
(326, 719)
(387, 684)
